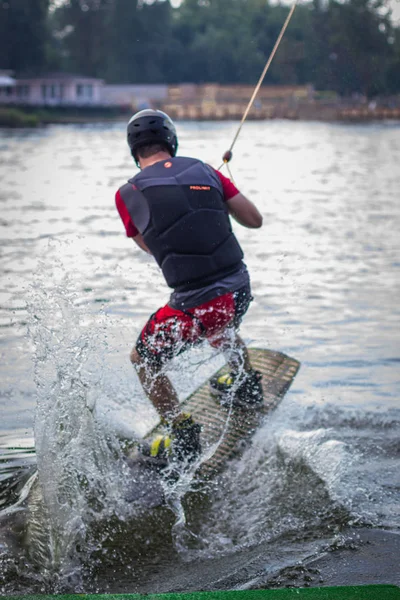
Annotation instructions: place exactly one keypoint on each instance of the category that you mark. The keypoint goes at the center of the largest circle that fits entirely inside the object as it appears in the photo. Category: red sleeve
(228, 187)
(131, 230)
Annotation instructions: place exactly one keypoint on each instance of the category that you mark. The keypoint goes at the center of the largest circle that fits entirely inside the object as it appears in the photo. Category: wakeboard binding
(180, 446)
(239, 391)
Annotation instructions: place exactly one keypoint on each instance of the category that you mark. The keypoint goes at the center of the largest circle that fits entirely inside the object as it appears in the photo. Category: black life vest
(178, 207)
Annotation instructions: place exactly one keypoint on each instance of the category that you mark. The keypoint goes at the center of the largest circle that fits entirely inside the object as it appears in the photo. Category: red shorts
(170, 331)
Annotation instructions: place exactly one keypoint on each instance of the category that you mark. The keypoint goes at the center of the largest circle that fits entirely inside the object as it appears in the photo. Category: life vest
(178, 207)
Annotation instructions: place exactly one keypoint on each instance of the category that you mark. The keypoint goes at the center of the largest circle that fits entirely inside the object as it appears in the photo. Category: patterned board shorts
(171, 331)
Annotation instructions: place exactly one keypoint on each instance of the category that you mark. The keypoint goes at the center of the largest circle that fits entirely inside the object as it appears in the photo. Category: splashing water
(83, 478)
(174, 493)
(80, 466)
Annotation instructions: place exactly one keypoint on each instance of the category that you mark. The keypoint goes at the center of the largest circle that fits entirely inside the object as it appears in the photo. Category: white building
(63, 89)
(55, 89)
(7, 85)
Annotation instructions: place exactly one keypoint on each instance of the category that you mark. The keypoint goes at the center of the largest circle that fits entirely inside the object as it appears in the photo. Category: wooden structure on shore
(219, 102)
(365, 113)
(228, 102)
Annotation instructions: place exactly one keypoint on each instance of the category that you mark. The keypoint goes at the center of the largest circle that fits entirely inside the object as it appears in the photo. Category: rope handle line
(228, 154)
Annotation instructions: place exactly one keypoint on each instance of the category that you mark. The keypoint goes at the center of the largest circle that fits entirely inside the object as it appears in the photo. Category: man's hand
(138, 239)
(244, 211)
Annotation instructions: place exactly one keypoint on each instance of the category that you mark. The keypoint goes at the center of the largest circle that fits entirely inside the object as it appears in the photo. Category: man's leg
(166, 334)
(236, 353)
(157, 387)
(242, 385)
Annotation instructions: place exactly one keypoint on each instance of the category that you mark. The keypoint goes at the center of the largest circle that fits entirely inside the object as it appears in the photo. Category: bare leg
(239, 355)
(243, 388)
(157, 387)
(236, 353)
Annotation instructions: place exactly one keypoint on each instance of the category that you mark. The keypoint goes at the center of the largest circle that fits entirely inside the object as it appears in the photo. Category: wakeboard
(226, 431)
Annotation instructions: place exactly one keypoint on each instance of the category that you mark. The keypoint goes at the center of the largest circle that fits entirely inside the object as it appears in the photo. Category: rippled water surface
(74, 295)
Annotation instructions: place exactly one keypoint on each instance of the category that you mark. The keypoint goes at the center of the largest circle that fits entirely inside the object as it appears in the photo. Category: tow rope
(227, 157)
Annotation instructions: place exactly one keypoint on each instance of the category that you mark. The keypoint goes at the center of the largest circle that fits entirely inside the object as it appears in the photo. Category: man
(177, 209)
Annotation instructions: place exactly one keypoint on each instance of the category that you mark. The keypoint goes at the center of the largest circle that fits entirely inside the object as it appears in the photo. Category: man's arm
(131, 230)
(138, 239)
(239, 207)
(244, 211)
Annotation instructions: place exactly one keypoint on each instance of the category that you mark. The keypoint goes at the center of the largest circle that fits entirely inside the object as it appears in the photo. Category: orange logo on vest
(200, 187)
(167, 165)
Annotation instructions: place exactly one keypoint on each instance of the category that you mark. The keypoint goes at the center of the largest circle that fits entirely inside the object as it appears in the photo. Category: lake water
(75, 293)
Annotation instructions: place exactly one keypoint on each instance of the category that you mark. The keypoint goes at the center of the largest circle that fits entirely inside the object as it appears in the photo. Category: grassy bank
(13, 117)
(77, 114)
(30, 116)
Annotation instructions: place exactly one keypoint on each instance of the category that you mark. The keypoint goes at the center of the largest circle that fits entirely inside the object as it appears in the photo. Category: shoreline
(14, 118)
(99, 121)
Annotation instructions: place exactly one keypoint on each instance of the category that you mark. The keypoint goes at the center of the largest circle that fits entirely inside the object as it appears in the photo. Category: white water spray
(81, 470)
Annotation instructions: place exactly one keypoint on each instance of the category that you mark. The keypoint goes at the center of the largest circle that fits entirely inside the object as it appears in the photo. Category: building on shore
(214, 101)
(184, 101)
(7, 85)
(55, 89)
(210, 101)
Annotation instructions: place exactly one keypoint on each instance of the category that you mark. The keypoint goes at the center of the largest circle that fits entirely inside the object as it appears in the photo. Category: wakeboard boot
(240, 391)
(180, 445)
(155, 454)
(185, 433)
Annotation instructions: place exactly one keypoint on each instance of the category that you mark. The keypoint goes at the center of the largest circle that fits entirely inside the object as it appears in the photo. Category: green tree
(352, 39)
(217, 40)
(392, 73)
(345, 46)
(141, 43)
(81, 31)
(23, 34)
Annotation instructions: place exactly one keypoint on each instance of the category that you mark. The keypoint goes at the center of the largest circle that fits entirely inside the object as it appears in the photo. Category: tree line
(348, 46)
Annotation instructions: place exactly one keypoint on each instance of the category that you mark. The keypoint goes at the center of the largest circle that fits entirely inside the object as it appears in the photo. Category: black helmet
(151, 127)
